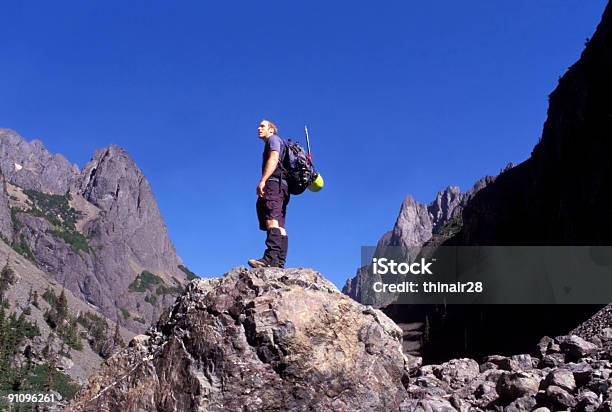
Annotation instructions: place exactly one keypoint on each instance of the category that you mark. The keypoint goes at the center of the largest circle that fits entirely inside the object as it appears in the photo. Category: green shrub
(25, 328)
(7, 278)
(13, 331)
(97, 330)
(166, 290)
(144, 281)
(70, 334)
(75, 239)
(59, 320)
(16, 222)
(452, 227)
(23, 248)
(189, 273)
(50, 296)
(54, 208)
(57, 211)
(38, 380)
(125, 313)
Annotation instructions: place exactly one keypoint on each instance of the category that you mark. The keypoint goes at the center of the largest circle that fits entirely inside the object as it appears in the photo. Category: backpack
(296, 167)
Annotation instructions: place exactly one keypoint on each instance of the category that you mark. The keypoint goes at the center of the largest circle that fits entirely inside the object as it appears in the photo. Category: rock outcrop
(276, 340)
(31, 166)
(258, 340)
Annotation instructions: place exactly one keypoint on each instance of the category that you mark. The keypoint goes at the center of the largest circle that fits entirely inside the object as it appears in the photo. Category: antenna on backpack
(308, 144)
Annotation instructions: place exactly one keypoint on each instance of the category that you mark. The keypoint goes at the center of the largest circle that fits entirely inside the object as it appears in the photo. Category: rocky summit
(288, 340)
(258, 340)
(30, 165)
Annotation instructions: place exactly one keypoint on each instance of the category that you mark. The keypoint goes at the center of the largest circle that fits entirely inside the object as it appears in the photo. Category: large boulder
(266, 339)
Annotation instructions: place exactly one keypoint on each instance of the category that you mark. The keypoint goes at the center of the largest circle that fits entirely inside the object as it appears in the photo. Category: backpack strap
(281, 159)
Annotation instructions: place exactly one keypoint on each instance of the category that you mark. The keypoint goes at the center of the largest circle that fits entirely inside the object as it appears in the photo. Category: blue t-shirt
(273, 143)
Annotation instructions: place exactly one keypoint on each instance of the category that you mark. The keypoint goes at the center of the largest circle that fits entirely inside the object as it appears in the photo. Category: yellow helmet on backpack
(316, 184)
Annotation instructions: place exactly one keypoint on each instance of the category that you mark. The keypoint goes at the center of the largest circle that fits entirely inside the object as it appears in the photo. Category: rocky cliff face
(112, 182)
(30, 165)
(128, 235)
(98, 232)
(258, 340)
(560, 195)
(6, 224)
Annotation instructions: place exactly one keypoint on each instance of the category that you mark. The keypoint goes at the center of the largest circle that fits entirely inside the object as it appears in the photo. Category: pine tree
(58, 312)
(61, 307)
(27, 369)
(117, 338)
(20, 325)
(4, 328)
(50, 370)
(7, 278)
(51, 355)
(35, 299)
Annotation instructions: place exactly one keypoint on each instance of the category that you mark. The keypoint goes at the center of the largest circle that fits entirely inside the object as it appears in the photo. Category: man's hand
(260, 188)
(269, 168)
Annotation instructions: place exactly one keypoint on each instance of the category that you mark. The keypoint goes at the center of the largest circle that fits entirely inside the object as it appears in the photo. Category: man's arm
(269, 168)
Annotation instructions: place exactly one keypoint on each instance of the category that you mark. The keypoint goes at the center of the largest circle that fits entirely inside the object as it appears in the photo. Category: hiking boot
(258, 263)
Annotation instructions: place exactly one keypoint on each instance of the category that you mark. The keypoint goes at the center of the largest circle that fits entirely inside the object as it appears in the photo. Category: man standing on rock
(272, 199)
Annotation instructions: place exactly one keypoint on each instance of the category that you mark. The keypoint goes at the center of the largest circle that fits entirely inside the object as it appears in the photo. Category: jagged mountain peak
(131, 232)
(450, 189)
(99, 232)
(31, 166)
(113, 151)
(409, 201)
(417, 224)
(110, 171)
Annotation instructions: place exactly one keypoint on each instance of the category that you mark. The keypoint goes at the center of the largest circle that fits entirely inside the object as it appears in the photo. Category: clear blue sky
(400, 97)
